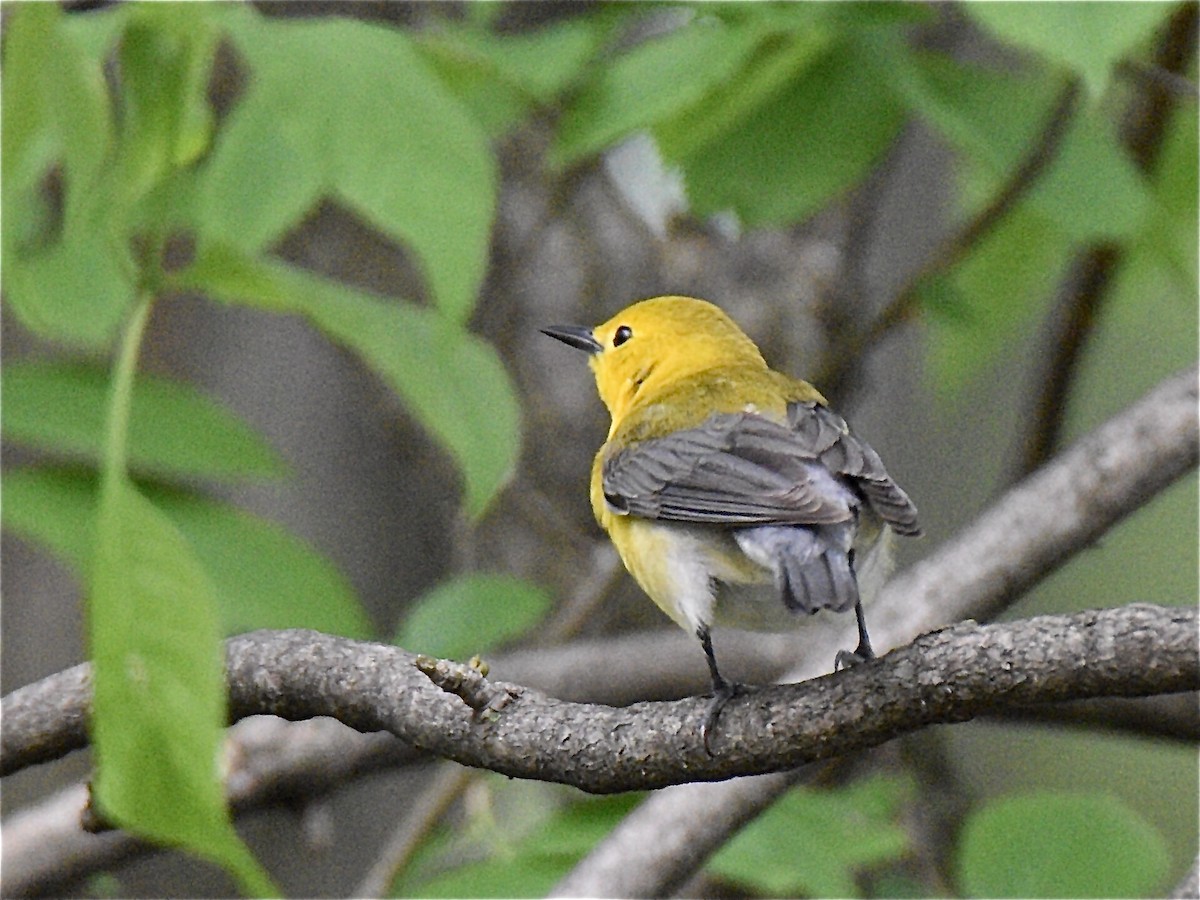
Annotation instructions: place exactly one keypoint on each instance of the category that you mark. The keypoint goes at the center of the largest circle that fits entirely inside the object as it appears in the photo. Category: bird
(731, 491)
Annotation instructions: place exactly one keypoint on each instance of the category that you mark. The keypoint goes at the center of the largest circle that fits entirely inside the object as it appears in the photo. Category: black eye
(622, 334)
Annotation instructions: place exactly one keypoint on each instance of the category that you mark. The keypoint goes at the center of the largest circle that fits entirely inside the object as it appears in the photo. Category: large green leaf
(55, 102)
(66, 277)
(471, 614)
(996, 292)
(767, 71)
(814, 842)
(1089, 189)
(77, 290)
(453, 382)
(174, 431)
(159, 687)
(814, 138)
(264, 576)
(1089, 38)
(54, 509)
(500, 78)
(166, 56)
(351, 110)
(654, 81)
(1060, 845)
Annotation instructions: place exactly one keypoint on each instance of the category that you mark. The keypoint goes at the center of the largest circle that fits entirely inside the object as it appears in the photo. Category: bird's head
(652, 344)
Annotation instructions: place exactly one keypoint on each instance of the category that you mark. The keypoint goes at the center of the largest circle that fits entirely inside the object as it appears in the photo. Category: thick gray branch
(45, 850)
(948, 676)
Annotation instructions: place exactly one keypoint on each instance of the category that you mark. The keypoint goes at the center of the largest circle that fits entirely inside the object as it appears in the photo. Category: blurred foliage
(113, 153)
(815, 843)
(446, 621)
(842, 830)
(1060, 845)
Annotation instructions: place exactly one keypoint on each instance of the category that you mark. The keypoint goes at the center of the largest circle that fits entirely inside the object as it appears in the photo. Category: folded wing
(746, 469)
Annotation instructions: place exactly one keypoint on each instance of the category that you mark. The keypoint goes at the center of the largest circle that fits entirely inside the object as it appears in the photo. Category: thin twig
(1072, 321)
(905, 304)
(439, 795)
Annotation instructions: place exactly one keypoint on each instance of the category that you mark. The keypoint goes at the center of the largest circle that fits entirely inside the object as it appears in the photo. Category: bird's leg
(723, 691)
(847, 658)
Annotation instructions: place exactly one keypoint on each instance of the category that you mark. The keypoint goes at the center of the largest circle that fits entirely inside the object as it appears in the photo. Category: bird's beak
(577, 336)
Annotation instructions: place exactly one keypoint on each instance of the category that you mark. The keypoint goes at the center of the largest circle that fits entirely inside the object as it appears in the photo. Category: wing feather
(746, 469)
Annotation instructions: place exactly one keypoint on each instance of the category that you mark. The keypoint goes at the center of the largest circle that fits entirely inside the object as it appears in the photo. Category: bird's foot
(722, 694)
(847, 658)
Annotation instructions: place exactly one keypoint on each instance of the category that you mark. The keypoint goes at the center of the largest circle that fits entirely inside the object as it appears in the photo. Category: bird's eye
(622, 334)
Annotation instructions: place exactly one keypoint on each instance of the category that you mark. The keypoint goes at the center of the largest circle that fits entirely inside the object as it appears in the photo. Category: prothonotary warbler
(731, 491)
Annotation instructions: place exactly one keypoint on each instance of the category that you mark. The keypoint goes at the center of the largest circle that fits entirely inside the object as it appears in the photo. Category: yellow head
(654, 343)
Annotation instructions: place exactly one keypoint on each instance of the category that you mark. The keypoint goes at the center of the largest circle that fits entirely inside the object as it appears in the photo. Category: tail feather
(826, 582)
(812, 564)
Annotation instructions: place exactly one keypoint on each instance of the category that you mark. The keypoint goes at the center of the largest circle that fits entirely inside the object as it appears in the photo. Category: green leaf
(54, 509)
(1167, 247)
(990, 115)
(655, 80)
(76, 291)
(993, 295)
(166, 57)
(1089, 38)
(500, 78)
(815, 138)
(472, 614)
(1061, 845)
(175, 431)
(814, 842)
(159, 687)
(453, 382)
(772, 66)
(55, 102)
(65, 280)
(1090, 189)
(351, 110)
(264, 576)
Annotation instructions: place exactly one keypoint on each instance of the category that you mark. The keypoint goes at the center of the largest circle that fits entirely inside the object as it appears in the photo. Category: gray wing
(744, 469)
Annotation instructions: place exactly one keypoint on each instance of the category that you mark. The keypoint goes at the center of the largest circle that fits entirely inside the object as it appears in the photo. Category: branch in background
(905, 304)
(1190, 885)
(1032, 529)
(1173, 717)
(46, 850)
(1092, 272)
(436, 798)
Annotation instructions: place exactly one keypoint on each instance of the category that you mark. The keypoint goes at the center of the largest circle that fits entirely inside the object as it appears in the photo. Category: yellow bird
(731, 491)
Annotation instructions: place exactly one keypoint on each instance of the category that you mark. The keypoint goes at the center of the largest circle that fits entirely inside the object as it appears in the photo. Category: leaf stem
(120, 403)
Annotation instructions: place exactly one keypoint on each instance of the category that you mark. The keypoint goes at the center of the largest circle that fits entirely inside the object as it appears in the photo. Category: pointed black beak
(577, 336)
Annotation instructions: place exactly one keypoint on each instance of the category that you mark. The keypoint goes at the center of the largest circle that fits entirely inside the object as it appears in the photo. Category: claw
(722, 694)
(860, 654)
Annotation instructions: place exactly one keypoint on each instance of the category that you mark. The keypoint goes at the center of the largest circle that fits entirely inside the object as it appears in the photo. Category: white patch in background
(653, 192)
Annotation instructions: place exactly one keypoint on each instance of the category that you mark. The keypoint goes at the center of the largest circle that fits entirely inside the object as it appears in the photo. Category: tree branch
(947, 676)
(272, 760)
